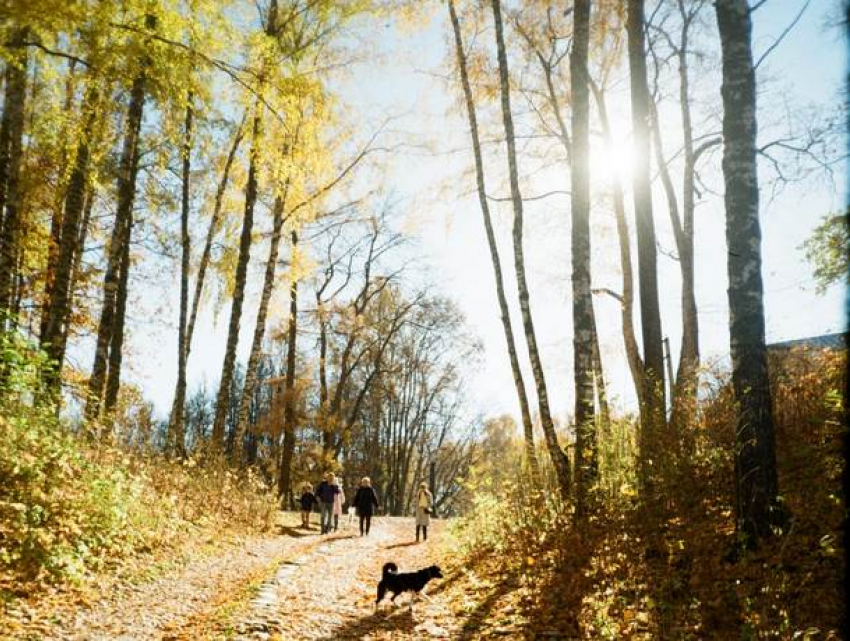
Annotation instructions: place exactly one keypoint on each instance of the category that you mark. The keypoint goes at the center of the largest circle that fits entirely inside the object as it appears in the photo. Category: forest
(571, 273)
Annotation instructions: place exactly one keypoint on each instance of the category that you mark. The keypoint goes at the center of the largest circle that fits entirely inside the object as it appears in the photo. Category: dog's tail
(390, 568)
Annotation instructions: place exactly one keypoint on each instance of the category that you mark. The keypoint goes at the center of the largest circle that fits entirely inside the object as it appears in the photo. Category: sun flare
(610, 160)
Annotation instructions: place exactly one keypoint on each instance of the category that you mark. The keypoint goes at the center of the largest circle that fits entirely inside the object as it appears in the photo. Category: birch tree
(684, 386)
(104, 377)
(251, 187)
(756, 479)
(586, 464)
(176, 419)
(653, 406)
(504, 311)
(559, 457)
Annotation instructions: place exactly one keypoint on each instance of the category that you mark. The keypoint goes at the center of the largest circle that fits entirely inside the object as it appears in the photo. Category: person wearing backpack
(326, 492)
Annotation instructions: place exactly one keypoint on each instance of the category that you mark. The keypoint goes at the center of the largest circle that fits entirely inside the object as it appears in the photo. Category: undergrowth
(70, 506)
(669, 571)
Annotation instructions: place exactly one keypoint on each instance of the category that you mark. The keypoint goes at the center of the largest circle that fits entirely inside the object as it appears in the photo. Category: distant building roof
(827, 341)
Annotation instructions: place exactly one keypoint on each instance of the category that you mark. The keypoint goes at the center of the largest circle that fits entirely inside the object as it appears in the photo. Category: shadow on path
(339, 537)
(296, 532)
(400, 545)
(483, 610)
(445, 582)
(400, 620)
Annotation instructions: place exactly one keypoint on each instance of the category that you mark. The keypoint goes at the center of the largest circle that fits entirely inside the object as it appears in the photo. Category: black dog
(397, 583)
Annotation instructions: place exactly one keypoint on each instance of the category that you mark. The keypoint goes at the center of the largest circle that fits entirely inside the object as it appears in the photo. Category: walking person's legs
(417, 533)
(336, 522)
(326, 511)
(368, 522)
(362, 520)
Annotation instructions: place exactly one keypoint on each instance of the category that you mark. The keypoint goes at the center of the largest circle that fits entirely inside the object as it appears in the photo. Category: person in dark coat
(308, 500)
(365, 501)
(326, 492)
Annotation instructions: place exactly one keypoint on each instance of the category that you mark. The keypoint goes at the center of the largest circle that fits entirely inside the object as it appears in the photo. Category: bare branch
(525, 199)
(365, 151)
(608, 292)
(783, 34)
(705, 146)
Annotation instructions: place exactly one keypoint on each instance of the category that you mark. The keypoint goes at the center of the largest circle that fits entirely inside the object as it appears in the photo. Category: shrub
(58, 511)
(69, 504)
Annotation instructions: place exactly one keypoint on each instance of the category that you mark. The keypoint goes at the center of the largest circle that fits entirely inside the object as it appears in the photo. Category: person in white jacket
(339, 499)
(424, 507)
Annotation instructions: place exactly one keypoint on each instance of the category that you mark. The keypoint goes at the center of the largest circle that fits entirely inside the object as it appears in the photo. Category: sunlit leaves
(827, 250)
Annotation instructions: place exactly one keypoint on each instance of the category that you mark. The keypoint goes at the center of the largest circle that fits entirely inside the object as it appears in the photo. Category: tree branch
(783, 34)
(525, 199)
(609, 292)
(59, 54)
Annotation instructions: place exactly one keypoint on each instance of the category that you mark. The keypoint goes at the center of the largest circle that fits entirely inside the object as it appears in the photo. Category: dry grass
(666, 572)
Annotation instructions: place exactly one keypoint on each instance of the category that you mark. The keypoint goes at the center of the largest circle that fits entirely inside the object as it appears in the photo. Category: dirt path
(330, 592)
(121, 609)
(298, 585)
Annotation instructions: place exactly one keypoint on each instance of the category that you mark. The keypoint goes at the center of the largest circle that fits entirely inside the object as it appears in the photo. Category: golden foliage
(673, 570)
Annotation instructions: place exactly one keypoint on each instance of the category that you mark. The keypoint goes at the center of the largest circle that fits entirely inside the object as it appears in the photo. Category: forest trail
(296, 585)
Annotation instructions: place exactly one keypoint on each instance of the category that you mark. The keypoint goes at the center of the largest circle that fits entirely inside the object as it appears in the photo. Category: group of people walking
(330, 498)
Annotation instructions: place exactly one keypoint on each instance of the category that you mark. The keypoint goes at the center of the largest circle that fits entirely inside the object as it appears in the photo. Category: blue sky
(436, 205)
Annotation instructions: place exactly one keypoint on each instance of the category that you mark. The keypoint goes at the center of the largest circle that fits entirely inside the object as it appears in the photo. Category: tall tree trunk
(653, 408)
(678, 385)
(689, 356)
(224, 393)
(324, 396)
(175, 425)
(58, 303)
(584, 336)
(601, 391)
(755, 451)
(76, 266)
(559, 457)
(507, 325)
(111, 319)
(12, 196)
(222, 401)
(5, 127)
(116, 343)
(626, 298)
(215, 222)
(684, 385)
(53, 248)
(204, 260)
(278, 218)
(284, 487)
